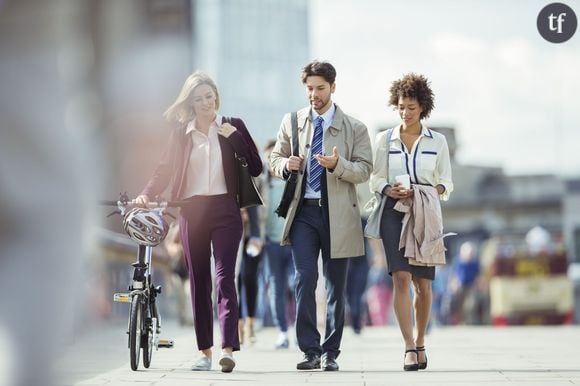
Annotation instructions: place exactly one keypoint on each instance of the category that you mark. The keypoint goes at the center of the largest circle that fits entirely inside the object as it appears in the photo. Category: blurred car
(530, 288)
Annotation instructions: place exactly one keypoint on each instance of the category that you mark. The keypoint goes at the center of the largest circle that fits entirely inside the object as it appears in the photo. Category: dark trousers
(248, 282)
(358, 270)
(281, 267)
(212, 221)
(310, 235)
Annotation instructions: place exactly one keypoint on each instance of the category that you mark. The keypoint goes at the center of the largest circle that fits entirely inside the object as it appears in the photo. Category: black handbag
(291, 182)
(248, 194)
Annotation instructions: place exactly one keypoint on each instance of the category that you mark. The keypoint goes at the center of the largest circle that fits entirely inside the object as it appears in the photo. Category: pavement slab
(457, 356)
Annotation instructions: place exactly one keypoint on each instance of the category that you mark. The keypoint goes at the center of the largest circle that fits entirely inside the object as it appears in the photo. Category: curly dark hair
(316, 68)
(413, 86)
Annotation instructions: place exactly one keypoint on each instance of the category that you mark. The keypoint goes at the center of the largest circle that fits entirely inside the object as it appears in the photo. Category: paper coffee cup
(405, 180)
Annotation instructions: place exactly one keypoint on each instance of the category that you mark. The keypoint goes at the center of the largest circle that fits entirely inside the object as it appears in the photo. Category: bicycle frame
(143, 268)
(144, 324)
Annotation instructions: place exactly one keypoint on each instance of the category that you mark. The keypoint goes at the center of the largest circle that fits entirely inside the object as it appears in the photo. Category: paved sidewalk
(457, 356)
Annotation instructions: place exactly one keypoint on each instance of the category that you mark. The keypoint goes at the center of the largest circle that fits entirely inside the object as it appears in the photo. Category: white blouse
(205, 171)
(427, 162)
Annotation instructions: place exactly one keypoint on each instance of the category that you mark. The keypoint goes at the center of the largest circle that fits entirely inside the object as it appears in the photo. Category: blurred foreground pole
(47, 117)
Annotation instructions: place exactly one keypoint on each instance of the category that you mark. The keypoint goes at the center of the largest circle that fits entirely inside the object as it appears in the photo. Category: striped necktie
(315, 168)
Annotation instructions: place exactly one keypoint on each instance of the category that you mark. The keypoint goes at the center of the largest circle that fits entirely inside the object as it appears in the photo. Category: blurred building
(486, 199)
(571, 213)
(142, 53)
(255, 50)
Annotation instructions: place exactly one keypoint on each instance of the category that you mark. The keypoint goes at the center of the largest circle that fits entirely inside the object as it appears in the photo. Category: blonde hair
(181, 110)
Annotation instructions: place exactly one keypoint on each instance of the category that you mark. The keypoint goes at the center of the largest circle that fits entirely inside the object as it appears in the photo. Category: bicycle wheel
(135, 321)
(147, 334)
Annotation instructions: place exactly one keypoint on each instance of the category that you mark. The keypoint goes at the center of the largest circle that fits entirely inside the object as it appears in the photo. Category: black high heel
(422, 365)
(413, 366)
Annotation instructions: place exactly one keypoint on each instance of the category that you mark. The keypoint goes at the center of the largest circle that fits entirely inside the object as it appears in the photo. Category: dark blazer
(172, 168)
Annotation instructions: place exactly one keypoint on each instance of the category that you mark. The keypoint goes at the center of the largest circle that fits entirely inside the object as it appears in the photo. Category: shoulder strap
(294, 120)
(238, 157)
(389, 134)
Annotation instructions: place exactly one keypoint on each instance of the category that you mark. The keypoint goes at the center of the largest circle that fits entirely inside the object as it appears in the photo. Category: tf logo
(557, 22)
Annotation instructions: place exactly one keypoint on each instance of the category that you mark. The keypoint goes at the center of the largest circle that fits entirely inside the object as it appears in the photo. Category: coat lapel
(304, 130)
(331, 134)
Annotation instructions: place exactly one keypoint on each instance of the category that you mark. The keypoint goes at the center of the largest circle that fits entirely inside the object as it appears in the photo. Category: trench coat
(351, 138)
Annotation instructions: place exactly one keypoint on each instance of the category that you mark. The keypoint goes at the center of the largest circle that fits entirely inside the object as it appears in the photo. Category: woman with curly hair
(412, 152)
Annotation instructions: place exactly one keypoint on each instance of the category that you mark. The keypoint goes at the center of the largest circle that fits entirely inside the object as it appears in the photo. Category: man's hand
(294, 163)
(226, 130)
(328, 161)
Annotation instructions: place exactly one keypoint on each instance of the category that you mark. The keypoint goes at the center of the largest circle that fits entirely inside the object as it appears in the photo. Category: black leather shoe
(328, 363)
(310, 362)
(422, 365)
(412, 366)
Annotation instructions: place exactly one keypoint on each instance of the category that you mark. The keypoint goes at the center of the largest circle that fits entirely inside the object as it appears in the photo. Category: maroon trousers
(212, 221)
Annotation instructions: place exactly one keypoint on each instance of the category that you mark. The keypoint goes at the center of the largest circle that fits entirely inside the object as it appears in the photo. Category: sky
(511, 96)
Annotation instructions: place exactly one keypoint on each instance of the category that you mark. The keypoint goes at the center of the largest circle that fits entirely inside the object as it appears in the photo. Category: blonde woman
(199, 166)
(419, 156)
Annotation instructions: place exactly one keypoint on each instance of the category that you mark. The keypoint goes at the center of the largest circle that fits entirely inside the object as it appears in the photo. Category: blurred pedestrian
(356, 282)
(379, 286)
(251, 255)
(441, 302)
(200, 166)
(179, 273)
(358, 270)
(281, 275)
(335, 155)
(420, 156)
(463, 285)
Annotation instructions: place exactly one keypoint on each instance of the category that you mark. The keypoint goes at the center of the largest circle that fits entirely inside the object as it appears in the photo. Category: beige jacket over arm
(354, 166)
(422, 232)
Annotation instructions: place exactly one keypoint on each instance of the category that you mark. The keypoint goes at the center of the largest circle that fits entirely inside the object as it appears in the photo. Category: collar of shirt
(328, 116)
(425, 132)
(191, 125)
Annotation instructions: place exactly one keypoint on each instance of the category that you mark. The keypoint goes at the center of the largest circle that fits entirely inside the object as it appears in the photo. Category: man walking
(335, 155)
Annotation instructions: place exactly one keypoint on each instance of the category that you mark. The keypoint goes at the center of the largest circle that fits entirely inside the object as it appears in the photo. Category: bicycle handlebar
(124, 204)
(150, 204)
(107, 202)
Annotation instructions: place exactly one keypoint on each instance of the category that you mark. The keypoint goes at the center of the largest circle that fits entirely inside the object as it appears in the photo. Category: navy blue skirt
(391, 226)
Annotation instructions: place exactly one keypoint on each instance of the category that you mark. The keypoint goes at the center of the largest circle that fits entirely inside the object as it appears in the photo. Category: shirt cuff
(384, 187)
(285, 173)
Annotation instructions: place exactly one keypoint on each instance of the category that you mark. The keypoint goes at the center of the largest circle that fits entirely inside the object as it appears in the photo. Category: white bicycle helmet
(145, 226)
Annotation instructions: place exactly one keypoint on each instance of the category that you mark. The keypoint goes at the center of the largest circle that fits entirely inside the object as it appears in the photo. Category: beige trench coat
(354, 166)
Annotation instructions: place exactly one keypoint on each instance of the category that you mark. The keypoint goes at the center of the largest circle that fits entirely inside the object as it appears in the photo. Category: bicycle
(144, 325)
